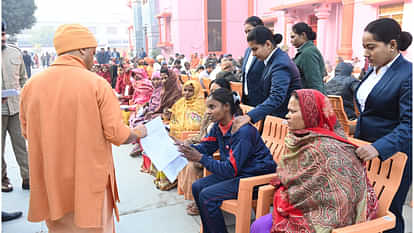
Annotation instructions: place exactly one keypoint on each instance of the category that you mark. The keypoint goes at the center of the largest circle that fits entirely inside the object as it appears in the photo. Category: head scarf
(318, 115)
(142, 87)
(170, 92)
(69, 37)
(188, 113)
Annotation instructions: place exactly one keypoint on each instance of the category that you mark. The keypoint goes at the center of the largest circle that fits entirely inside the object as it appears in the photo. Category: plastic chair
(385, 176)
(206, 83)
(338, 107)
(258, 125)
(184, 78)
(274, 132)
(237, 87)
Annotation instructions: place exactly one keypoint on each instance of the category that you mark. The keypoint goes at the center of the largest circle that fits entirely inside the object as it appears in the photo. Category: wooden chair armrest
(264, 200)
(377, 225)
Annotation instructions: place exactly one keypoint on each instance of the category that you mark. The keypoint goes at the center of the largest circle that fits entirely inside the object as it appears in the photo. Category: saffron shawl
(187, 114)
(320, 184)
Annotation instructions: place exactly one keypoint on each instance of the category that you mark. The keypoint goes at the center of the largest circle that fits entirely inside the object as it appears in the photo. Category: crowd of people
(273, 84)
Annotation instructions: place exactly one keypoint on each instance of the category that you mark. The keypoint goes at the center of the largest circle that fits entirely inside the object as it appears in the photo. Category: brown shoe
(26, 184)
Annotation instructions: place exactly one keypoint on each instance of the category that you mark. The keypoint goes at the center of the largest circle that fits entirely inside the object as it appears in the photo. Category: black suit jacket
(254, 75)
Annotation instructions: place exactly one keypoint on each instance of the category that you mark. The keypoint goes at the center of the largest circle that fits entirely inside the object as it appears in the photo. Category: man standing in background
(13, 77)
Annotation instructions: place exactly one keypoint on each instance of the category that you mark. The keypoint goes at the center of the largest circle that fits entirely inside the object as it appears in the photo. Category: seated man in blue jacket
(242, 154)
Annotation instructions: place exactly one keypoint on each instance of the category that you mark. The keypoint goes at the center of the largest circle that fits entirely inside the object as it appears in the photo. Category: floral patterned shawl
(320, 184)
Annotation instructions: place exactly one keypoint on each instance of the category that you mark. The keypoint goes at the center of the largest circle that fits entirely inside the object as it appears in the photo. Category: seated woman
(242, 154)
(186, 115)
(194, 170)
(104, 73)
(320, 182)
(168, 95)
(124, 85)
(142, 90)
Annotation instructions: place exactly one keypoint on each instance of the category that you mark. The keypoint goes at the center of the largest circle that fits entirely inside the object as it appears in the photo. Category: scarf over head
(142, 87)
(320, 184)
(188, 113)
(170, 92)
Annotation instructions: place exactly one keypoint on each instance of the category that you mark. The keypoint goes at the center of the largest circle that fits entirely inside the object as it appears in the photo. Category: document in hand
(160, 148)
(9, 92)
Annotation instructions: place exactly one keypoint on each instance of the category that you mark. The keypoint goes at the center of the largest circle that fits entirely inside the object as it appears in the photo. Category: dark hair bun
(278, 38)
(406, 38)
(311, 35)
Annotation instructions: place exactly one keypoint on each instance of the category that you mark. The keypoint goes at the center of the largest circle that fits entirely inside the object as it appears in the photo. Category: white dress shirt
(369, 84)
(248, 64)
(268, 57)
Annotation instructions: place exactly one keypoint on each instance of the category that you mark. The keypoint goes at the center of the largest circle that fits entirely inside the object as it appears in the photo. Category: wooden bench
(385, 176)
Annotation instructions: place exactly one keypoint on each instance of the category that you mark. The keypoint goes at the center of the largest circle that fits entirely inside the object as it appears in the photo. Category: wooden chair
(338, 107)
(237, 87)
(385, 176)
(274, 132)
(194, 78)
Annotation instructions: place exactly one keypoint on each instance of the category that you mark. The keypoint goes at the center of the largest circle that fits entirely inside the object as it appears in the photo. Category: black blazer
(255, 92)
(386, 120)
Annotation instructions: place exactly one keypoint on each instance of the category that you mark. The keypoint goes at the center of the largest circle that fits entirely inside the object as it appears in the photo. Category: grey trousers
(11, 124)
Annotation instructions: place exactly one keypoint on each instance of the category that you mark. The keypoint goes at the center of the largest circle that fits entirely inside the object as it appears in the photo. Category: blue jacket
(280, 78)
(386, 120)
(242, 154)
(254, 76)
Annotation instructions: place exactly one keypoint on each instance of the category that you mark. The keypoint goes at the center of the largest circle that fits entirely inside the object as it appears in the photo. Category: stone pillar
(290, 20)
(345, 51)
(322, 13)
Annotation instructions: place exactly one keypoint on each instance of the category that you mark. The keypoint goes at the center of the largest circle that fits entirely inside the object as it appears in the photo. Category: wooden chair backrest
(274, 133)
(385, 176)
(338, 107)
(245, 109)
(237, 87)
(194, 78)
(206, 83)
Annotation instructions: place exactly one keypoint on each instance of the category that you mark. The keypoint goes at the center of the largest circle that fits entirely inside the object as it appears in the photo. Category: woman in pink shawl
(142, 87)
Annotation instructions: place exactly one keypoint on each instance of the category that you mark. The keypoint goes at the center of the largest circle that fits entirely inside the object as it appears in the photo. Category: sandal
(191, 205)
(169, 186)
(193, 211)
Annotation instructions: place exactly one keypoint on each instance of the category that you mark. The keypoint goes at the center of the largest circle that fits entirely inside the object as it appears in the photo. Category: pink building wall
(188, 26)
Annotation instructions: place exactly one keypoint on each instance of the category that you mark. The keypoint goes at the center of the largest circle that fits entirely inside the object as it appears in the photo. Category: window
(214, 26)
(394, 11)
(112, 30)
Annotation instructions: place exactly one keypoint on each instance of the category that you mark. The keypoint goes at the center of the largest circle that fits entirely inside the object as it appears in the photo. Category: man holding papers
(71, 118)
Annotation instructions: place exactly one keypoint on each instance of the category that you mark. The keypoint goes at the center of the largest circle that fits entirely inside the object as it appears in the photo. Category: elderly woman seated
(320, 184)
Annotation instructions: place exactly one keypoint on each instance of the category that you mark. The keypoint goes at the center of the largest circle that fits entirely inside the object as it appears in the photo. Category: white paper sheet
(160, 148)
(173, 168)
(9, 92)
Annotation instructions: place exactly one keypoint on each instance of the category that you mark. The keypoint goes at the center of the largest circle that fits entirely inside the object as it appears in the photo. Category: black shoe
(5, 216)
(6, 187)
(26, 185)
